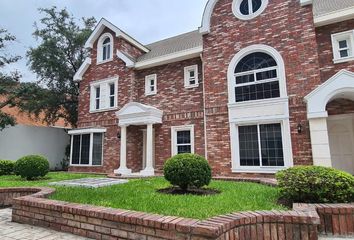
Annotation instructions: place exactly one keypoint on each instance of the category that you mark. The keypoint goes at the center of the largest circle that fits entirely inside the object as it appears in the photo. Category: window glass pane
(344, 53)
(112, 89)
(271, 145)
(249, 148)
(254, 61)
(191, 73)
(343, 44)
(184, 149)
(256, 5)
(152, 89)
(183, 137)
(85, 149)
(192, 81)
(107, 40)
(111, 101)
(266, 75)
(97, 103)
(98, 92)
(104, 53)
(97, 149)
(257, 91)
(152, 82)
(245, 79)
(108, 53)
(244, 8)
(76, 149)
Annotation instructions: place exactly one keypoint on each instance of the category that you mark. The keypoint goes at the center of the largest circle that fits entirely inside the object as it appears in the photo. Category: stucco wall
(21, 140)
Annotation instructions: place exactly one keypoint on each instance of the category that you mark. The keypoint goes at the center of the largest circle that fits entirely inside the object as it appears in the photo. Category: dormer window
(105, 48)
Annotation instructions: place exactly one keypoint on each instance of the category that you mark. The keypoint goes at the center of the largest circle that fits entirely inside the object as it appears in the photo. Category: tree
(9, 83)
(55, 61)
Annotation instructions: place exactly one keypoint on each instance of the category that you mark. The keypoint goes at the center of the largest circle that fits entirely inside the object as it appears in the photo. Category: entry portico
(137, 114)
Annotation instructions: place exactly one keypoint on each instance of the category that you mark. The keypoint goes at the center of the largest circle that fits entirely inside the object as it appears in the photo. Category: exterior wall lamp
(300, 128)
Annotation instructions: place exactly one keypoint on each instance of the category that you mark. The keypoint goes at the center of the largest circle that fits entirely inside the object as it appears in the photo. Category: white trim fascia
(83, 68)
(128, 62)
(208, 11)
(305, 2)
(87, 131)
(119, 33)
(170, 58)
(135, 113)
(334, 17)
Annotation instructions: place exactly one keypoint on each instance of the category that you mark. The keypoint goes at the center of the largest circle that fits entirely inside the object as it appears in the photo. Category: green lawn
(141, 195)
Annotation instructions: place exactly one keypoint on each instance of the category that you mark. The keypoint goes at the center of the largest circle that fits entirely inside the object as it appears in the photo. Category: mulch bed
(193, 191)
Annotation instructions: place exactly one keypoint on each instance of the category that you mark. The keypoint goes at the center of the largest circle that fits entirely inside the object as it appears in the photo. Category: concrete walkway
(11, 231)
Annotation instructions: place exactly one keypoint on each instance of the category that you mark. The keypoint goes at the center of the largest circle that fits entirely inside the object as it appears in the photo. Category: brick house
(262, 85)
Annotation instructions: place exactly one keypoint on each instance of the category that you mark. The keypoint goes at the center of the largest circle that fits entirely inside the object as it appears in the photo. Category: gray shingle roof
(322, 7)
(173, 45)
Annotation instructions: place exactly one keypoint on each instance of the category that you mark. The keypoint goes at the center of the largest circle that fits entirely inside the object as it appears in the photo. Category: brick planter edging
(108, 223)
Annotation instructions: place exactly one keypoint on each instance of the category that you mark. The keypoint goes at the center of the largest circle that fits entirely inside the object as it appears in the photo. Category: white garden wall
(21, 140)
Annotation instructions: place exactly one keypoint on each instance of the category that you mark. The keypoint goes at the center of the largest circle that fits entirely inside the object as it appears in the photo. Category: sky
(145, 20)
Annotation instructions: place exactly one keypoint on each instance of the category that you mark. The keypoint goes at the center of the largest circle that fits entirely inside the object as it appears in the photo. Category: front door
(341, 142)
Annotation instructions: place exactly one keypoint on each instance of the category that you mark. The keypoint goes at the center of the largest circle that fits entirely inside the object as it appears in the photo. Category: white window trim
(174, 131)
(335, 46)
(103, 84)
(81, 132)
(187, 76)
(239, 15)
(100, 48)
(147, 85)
(287, 150)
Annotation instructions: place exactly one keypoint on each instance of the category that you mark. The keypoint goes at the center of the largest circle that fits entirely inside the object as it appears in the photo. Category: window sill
(191, 86)
(270, 170)
(104, 110)
(78, 165)
(150, 94)
(105, 61)
(342, 60)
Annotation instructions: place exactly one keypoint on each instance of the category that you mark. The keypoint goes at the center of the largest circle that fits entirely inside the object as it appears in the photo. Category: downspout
(204, 110)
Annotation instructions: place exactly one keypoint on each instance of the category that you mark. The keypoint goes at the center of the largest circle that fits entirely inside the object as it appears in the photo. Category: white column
(320, 142)
(123, 153)
(149, 170)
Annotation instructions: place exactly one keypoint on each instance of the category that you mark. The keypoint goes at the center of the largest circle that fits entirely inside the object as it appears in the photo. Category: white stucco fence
(21, 140)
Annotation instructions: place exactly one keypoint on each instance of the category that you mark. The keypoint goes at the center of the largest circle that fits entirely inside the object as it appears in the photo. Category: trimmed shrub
(187, 170)
(32, 167)
(6, 167)
(314, 184)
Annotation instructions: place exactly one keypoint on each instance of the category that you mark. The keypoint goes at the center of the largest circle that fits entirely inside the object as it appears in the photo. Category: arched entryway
(331, 117)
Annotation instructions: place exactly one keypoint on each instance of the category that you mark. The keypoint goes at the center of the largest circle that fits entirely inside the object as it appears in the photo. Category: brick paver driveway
(10, 230)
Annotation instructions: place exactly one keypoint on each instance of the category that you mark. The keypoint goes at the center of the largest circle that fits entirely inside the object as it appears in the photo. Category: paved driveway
(11, 231)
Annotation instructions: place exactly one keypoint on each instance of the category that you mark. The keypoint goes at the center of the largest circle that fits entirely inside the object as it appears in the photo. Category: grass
(141, 195)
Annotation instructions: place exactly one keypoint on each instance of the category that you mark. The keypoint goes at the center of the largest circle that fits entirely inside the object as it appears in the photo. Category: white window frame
(85, 132)
(100, 48)
(104, 96)
(174, 130)
(148, 85)
(236, 9)
(187, 77)
(336, 38)
(286, 139)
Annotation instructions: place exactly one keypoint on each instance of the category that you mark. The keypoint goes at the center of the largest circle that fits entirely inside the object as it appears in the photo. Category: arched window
(248, 9)
(105, 48)
(256, 78)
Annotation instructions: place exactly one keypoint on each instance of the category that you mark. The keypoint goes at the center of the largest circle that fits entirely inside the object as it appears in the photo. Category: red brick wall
(285, 26)
(325, 51)
(340, 106)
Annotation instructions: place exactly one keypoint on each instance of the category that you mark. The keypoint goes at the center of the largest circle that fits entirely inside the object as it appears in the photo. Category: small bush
(187, 170)
(313, 184)
(32, 167)
(6, 167)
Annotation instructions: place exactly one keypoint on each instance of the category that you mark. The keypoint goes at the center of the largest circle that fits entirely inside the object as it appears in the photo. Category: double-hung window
(182, 139)
(191, 76)
(261, 145)
(343, 46)
(151, 85)
(104, 94)
(86, 147)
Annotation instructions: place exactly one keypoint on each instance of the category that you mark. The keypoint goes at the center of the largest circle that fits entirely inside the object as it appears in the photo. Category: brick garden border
(30, 206)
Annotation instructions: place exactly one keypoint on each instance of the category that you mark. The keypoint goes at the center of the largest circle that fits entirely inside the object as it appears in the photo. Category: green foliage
(187, 170)
(6, 167)
(55, 60)
(32, 167)
(314, 184)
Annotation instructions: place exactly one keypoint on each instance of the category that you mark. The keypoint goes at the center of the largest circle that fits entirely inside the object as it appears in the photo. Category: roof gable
(103, 23)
